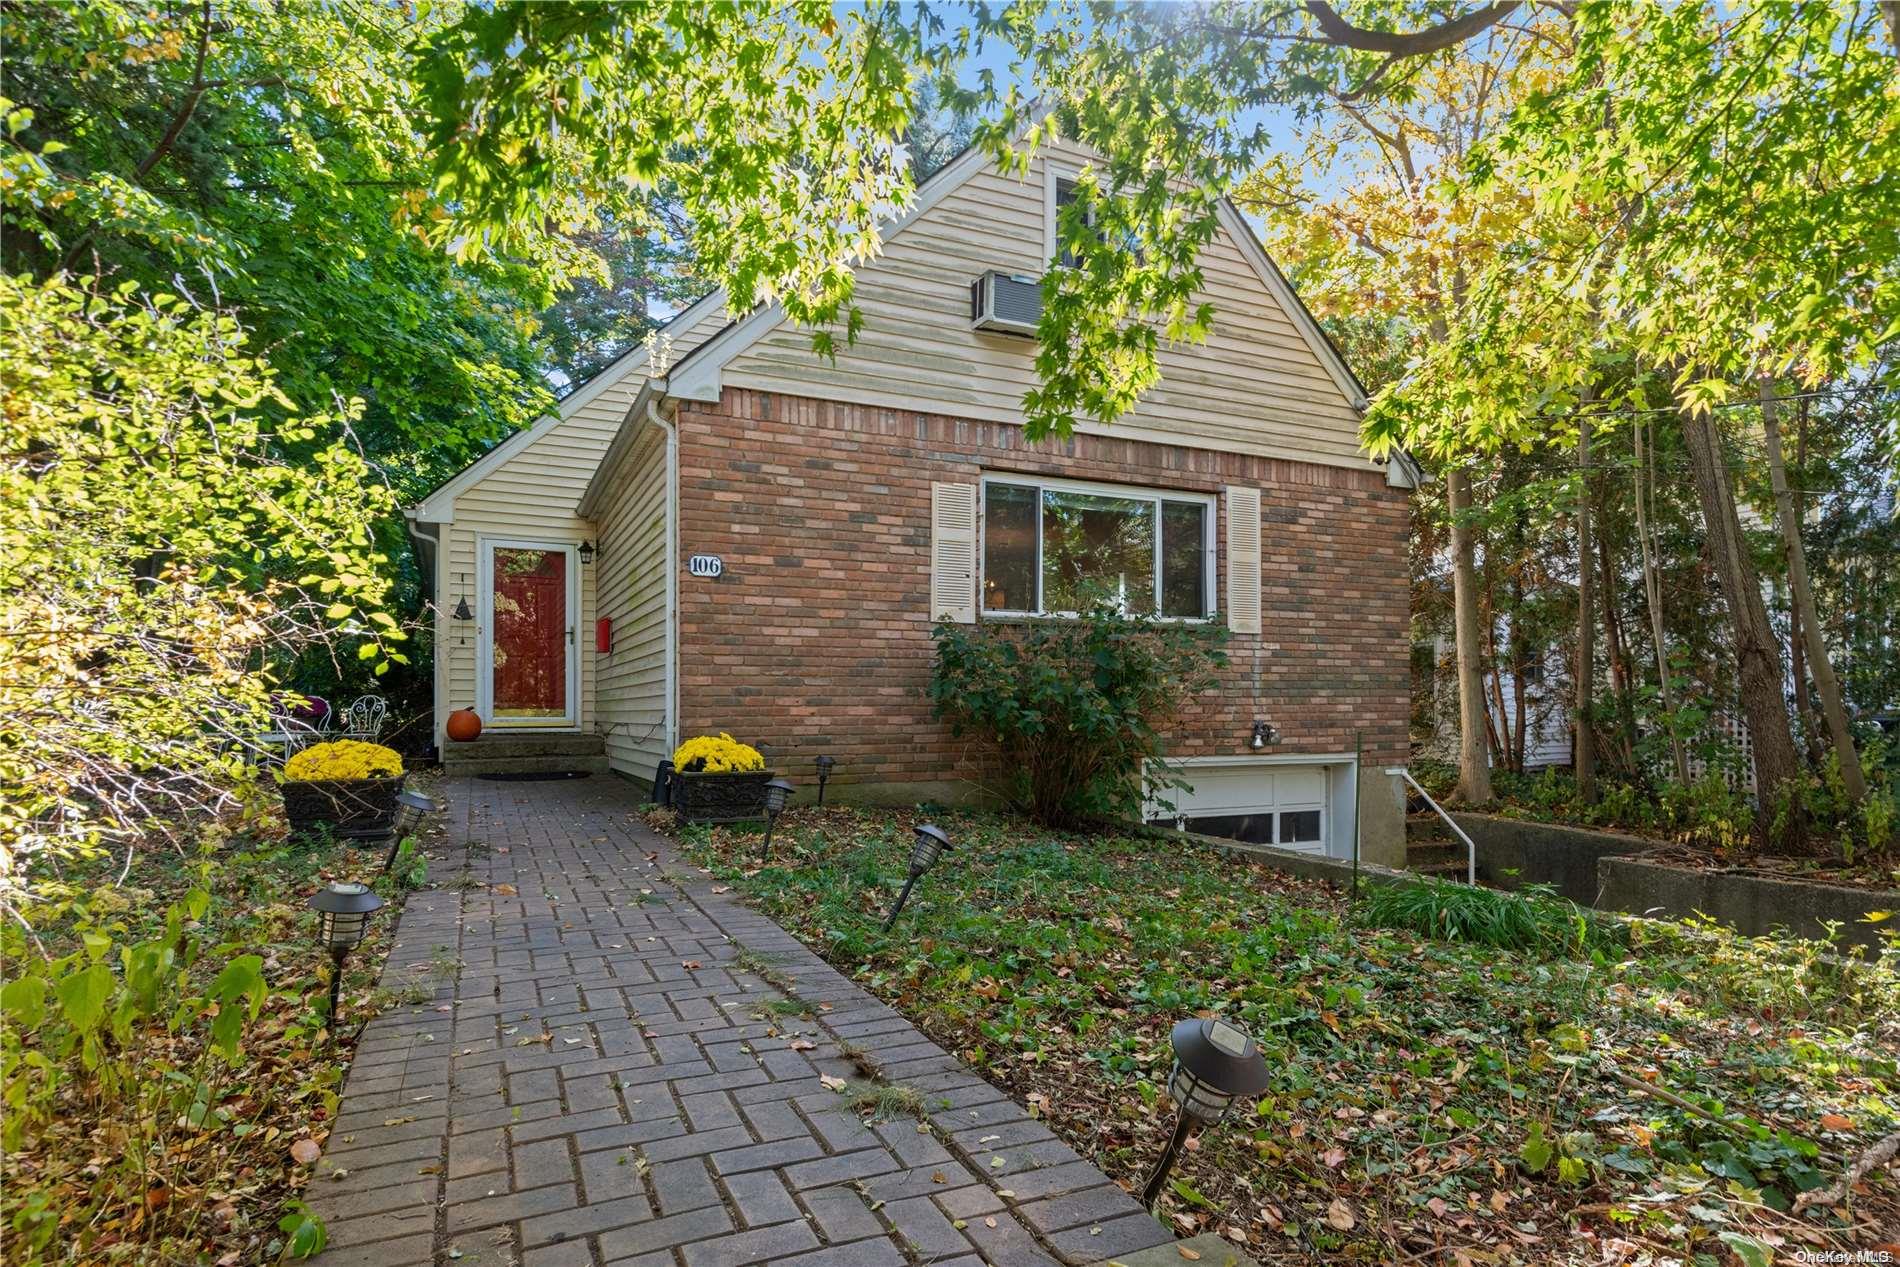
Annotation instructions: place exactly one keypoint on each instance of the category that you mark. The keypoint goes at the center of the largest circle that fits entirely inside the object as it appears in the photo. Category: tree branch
(1405, 43)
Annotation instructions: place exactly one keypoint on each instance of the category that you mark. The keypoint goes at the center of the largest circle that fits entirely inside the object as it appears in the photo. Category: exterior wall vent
(1005, 303)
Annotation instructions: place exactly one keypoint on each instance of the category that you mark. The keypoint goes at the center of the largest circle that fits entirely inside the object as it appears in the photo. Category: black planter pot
(727, 797)
(352, 809)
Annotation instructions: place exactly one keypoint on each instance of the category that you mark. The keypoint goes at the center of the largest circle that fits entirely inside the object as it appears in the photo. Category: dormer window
(1065, 187)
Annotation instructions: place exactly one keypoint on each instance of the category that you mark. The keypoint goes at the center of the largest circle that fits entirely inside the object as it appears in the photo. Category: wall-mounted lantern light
(1215, 1062)
(343, 908)
(929, 846)
(776, 793)
(1263, 735)
(587, 553)
(824, 764)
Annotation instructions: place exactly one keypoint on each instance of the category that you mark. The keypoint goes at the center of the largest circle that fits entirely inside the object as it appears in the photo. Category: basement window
(1058, 547)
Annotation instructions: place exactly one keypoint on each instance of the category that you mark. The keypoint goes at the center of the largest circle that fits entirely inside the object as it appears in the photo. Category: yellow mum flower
(716, 755)
(343, 759)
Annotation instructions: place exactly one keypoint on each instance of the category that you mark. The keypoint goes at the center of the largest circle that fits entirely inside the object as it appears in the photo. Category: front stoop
(1209, 1248)
(526, 752)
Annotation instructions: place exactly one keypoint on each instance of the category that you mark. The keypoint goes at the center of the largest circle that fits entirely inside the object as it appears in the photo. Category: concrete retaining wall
(1513, 853)
(1754, 904)
(1605, 870)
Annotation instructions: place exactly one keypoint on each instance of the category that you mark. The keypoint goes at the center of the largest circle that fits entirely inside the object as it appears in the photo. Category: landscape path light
(824, 764)
(775, 794)
(411, 809)
(931, 841)
(1215, 1062)
(343, 909)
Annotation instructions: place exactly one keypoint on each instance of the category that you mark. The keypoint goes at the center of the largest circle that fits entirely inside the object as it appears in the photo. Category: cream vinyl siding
(1256, 386)
(630, 581)
(532, 495)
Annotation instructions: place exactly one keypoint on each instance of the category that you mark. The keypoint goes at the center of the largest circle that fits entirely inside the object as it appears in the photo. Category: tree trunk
(1584, 749)
(1810, 728)
(1474, 764)
(1826, 684)
(1620, 675)
(1757, 651)
(1652, 591)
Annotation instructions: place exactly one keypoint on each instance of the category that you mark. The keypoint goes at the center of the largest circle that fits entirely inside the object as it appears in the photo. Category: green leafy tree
(263, 158)
(169, 527)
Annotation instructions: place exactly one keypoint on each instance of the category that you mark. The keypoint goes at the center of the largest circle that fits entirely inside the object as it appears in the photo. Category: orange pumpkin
(463, 725)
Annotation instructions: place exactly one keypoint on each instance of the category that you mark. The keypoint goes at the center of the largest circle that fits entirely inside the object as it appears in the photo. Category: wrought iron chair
(364, 718)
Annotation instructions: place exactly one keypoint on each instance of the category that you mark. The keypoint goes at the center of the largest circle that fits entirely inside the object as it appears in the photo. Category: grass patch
(1447, 1093)
(882, 1102)
(1534, 921)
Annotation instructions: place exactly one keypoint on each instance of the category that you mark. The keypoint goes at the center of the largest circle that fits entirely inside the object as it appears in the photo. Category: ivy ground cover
(1668, 1100)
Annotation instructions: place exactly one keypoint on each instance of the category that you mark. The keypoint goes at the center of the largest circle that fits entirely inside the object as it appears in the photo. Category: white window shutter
(953, 553)
(1243, 560)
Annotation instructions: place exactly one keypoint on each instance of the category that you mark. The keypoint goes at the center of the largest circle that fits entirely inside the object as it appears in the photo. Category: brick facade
(817, 637)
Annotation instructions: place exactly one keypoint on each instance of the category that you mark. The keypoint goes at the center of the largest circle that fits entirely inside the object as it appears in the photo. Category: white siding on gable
(533, 494)
(1256, 386)
(631, 584)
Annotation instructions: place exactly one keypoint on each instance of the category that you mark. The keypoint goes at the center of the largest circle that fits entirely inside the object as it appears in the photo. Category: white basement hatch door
(1283, 806)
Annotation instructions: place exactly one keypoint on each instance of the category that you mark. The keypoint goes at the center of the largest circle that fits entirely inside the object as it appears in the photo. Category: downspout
(672, 683)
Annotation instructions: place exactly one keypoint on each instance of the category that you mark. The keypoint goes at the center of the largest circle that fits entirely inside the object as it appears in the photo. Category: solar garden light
(824, 764)
(931, 841)
(344, 909)
(1214, 1063)
(775, 793)
(411, 809)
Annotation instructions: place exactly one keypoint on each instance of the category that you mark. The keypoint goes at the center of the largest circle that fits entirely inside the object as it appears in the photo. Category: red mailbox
(604, 634)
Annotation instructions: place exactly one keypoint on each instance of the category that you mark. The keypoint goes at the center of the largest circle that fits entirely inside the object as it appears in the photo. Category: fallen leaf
(689, 964)
(305, 1152)
(835, 1084)
(1192, 1255)
(1835, 1122)
(1340, 1217)
(506, 890)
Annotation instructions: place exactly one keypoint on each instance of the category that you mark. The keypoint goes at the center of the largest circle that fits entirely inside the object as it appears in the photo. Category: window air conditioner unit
(1004, 303)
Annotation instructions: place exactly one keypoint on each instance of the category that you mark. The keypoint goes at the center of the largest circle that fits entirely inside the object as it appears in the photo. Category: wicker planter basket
(353, 809)
(727, 797)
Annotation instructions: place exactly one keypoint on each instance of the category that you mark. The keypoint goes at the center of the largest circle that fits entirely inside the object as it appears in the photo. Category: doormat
(546, 776)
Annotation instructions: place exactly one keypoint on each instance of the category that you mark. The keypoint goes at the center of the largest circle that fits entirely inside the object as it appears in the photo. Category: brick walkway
(600, 1078)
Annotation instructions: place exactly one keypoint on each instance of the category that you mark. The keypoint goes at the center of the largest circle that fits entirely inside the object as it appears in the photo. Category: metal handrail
(1471, 850)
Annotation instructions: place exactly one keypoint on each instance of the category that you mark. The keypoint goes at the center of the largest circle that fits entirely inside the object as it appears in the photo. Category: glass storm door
(529, 596)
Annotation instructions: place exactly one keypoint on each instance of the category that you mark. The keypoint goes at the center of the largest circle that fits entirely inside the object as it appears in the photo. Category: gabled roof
(697, 375)
(439, 505)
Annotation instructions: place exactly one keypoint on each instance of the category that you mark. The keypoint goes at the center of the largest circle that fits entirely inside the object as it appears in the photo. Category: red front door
(530, 641)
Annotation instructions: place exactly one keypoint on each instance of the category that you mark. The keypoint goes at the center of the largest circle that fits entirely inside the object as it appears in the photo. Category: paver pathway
(600, 1078)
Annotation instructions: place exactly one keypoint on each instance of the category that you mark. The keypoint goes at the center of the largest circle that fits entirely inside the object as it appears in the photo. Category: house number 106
(705, 565)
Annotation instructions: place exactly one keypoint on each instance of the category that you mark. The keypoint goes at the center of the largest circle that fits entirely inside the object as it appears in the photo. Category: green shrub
(1074, 706)
(1534, 921)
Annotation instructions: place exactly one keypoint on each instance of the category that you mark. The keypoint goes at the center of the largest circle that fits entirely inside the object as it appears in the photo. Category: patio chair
(364, 718)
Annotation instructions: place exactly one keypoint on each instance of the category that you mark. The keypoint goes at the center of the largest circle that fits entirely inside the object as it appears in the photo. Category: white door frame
(485, 548)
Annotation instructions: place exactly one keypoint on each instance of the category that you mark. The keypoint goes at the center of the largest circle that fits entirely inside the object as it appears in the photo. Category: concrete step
(535, 752)
(474, 766)
(1442, 870)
